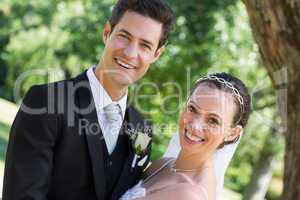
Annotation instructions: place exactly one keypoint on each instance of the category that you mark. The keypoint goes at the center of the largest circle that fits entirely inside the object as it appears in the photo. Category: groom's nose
(131, 50)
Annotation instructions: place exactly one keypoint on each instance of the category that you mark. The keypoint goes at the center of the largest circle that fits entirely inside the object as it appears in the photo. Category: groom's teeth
(124, 64)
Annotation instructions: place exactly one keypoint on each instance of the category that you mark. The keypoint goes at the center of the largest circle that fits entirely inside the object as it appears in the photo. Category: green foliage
(48, 36)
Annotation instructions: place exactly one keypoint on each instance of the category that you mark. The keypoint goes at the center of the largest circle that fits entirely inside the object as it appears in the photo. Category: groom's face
(130, 48)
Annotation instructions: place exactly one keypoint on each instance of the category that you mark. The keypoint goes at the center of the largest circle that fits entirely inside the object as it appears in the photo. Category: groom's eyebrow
(143, 40)
(124, 31)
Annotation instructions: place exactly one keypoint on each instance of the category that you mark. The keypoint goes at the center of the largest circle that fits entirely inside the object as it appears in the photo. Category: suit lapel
(94, 141)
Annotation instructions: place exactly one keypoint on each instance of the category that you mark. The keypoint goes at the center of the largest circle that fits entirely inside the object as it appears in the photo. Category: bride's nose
(198, 124)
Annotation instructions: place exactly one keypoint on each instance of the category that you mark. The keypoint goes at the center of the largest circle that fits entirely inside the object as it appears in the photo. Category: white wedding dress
(137, 191)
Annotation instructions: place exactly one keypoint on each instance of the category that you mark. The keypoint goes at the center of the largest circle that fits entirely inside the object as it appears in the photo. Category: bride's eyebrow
(216, 116)
(209, 113)
(194, 104)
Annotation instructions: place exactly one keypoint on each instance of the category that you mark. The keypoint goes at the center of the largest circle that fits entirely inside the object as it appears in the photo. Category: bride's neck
(190, 162)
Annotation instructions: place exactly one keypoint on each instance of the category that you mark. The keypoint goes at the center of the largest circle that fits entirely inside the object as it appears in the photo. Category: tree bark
(276, 29)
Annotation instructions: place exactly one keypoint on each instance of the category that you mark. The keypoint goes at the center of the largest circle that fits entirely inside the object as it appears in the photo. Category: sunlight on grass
(8, 111)
(231, 195)
(4, 133)
(4, 129)
(7, 115)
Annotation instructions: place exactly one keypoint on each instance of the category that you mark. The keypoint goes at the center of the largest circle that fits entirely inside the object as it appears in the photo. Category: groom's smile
(124, 64)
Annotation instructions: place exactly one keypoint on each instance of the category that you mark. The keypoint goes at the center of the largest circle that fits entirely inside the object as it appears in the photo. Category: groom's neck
(116, 92)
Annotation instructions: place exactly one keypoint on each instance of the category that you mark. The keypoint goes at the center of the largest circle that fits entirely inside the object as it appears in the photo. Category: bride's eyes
(214, 121)
(191, 108)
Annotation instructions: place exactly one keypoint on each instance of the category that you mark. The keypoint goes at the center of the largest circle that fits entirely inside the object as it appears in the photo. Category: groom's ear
(234, 135)
(157, 53)
(106, 32)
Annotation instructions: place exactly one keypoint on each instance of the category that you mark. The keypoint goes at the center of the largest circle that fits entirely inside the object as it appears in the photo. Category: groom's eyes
(124, 36)
(146, 46)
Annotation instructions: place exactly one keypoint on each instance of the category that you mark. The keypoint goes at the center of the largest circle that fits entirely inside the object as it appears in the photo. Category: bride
(215, 114)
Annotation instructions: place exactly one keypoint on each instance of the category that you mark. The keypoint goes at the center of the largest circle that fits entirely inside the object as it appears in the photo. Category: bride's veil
(222, 158)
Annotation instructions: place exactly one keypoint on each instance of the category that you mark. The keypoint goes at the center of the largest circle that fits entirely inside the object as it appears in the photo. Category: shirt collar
(101, 97)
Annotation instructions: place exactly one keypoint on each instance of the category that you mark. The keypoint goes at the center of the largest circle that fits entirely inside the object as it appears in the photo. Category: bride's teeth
(194, 138)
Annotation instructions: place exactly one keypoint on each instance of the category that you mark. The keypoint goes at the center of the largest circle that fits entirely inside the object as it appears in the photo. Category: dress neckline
(159, 169)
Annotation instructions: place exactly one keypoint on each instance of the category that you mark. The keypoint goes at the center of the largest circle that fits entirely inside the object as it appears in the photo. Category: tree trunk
(263, 171)
(261, 178)
(276, 29)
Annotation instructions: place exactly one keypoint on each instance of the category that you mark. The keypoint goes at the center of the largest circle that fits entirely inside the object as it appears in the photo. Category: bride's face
(207, 120)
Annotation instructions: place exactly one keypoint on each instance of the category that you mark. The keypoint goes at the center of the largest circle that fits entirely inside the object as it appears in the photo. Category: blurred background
(44, 41)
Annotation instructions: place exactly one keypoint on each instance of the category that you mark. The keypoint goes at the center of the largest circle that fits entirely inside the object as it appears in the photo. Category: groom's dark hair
(155, 9)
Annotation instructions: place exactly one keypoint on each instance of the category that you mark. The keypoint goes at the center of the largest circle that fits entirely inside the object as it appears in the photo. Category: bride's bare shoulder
(179, 192)
(190, 191)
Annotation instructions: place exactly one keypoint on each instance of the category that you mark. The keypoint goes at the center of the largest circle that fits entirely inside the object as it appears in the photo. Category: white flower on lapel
(140, 142)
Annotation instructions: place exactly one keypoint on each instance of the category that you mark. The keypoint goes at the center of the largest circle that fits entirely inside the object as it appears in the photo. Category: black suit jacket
(55, 146)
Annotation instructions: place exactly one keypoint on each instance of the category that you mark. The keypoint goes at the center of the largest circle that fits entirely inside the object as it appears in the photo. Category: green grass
(7, 114)
(231, 195)
(8, 111)
(4, 131)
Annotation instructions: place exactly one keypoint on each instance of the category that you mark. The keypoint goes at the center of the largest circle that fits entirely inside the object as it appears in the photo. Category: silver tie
(114, 118)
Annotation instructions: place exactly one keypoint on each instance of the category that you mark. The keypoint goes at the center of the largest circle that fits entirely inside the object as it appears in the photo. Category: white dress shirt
(102, 99)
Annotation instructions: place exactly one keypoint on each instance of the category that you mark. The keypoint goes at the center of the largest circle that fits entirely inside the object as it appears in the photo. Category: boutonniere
(140, 142)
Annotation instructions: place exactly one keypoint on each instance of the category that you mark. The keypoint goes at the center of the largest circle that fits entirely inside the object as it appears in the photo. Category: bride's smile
(193, 139)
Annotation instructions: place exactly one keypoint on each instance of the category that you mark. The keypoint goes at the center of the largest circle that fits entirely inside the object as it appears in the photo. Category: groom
(70, 139)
